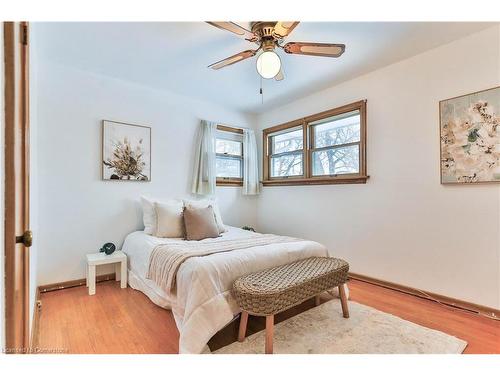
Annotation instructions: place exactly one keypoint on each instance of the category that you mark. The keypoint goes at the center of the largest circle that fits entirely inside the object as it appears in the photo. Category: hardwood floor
(114, 320)
(125, 321)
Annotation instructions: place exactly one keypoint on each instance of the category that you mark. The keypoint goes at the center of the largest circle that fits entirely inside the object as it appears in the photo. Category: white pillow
(169, 219)
(205, 203)
(148, 215)
(149, 212)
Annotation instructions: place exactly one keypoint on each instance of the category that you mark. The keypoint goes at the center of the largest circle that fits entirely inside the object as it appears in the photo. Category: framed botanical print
(126, 151)
(470, 138)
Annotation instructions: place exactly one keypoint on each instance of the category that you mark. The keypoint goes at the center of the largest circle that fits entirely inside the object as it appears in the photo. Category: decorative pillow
(169, 220)
(149, 212)
(205, 203)
(148, 215)
(200, 223)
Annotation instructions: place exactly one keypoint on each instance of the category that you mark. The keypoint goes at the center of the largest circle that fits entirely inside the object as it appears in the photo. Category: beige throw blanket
(166, 259)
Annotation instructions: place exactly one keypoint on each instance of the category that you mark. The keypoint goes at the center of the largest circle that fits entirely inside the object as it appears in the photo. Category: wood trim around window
(307, 178)
(225, 128)
(229, 181)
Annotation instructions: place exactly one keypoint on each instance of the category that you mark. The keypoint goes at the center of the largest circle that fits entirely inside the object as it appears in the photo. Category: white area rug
(323, 330)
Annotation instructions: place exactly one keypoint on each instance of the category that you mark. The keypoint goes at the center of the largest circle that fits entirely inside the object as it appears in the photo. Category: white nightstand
(97, 259)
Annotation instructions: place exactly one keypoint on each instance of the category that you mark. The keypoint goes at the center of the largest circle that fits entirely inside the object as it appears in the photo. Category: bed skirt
(137, 283)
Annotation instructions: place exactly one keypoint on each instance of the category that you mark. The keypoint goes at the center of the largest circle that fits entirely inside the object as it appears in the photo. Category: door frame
(17, 168)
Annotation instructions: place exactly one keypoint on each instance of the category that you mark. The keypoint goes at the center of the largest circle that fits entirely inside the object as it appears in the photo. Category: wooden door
(16, 225)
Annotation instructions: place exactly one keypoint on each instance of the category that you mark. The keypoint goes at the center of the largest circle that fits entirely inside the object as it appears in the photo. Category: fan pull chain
(261, 91)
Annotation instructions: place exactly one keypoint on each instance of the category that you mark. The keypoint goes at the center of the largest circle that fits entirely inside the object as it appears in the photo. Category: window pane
(225, 146)
(228, 167)
(286, 165)
(336, 161)
(337, 130)
(285, 142)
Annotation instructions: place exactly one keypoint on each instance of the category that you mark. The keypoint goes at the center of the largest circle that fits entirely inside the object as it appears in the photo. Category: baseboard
(73, 283)
(35, 329)
(449, 301)
(453, 302)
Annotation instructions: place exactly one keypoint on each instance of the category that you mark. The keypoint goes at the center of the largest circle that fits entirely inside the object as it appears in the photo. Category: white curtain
(204, 174)
(251, 185)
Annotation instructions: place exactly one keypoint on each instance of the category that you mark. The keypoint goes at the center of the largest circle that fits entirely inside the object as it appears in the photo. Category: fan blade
(235, 29)
(233, 59)
(283, 28)
(315, 49)
(280, 76)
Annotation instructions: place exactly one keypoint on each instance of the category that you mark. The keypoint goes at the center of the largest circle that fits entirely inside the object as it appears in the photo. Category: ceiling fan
(268, 36)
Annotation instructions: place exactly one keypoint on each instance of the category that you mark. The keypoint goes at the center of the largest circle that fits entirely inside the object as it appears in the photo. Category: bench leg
(343, 300)
(317, 300)
(243, 326)
(269, 333)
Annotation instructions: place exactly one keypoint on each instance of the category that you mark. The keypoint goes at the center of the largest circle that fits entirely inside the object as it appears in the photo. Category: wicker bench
(274, 290)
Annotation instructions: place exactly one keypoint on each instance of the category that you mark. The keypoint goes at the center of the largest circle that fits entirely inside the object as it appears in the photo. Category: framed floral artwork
(470, 138)
(126, 151)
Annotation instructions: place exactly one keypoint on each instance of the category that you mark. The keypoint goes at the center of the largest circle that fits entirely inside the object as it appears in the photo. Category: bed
(201, 302)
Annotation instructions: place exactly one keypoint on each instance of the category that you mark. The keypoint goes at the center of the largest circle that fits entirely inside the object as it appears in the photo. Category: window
(229, 156)
(327, 148)
(287, 153)
(335, 144)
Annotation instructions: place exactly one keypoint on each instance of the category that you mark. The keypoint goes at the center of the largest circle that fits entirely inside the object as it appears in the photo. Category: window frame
(292, 126)
(268, 133)
(231, 181)
(307, 177)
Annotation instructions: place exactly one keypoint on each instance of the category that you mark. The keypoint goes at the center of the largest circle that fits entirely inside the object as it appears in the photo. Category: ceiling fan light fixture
(268, 64)
(269, 35)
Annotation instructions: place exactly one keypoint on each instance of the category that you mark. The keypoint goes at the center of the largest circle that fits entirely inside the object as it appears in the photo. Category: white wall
(403, 225)
(77, 211)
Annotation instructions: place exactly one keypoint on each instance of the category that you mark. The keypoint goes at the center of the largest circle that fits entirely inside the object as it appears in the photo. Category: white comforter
(203, 303)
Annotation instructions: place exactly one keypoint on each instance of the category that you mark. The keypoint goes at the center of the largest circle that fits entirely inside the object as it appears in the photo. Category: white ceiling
(175, 55)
